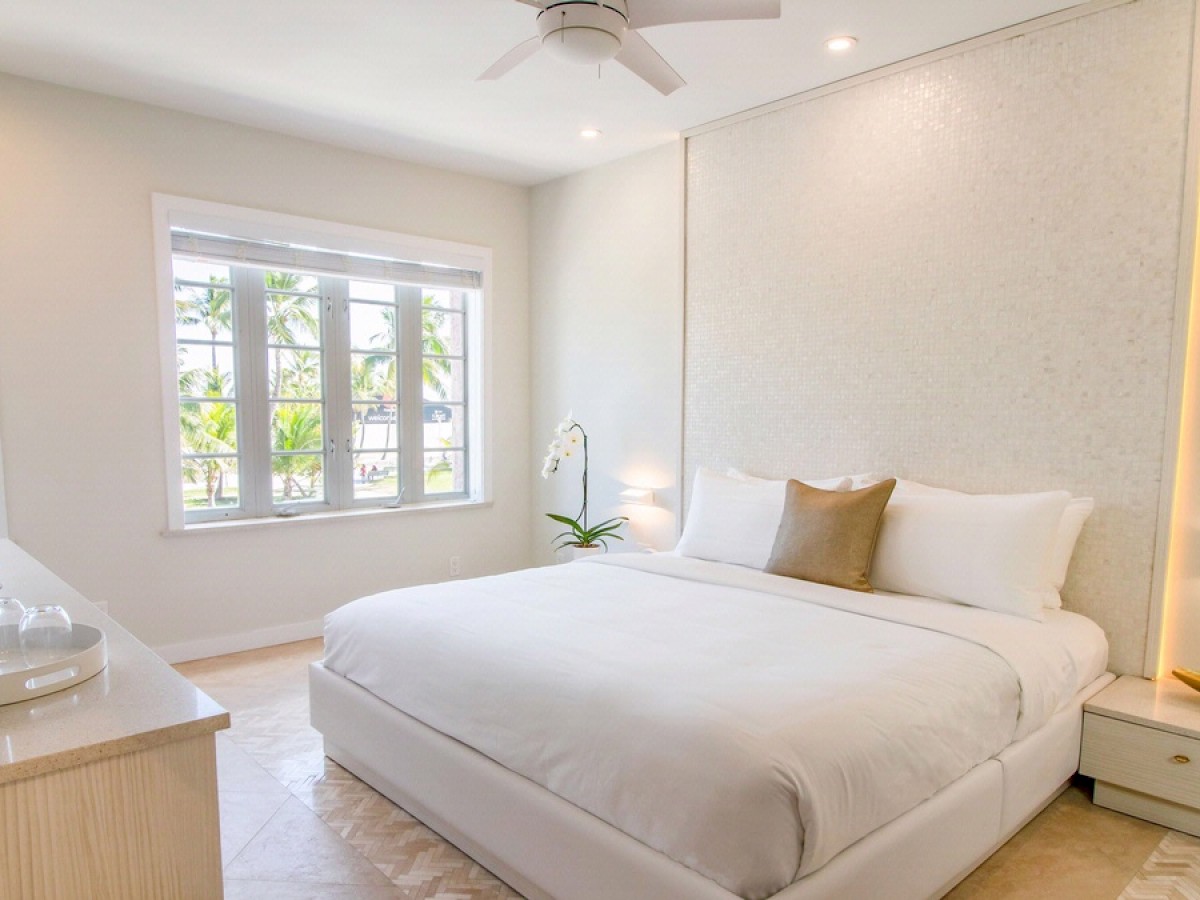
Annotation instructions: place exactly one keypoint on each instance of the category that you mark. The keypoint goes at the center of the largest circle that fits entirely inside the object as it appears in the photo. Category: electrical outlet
(455, 566)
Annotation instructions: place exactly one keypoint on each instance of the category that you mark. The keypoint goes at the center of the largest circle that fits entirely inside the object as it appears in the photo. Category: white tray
(86, 655)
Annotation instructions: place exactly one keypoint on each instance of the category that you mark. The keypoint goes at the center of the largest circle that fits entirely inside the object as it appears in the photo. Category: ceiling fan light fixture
(582, 33)
(840, 43)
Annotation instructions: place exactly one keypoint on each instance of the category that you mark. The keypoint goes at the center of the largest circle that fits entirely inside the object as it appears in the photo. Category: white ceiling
(397, 77)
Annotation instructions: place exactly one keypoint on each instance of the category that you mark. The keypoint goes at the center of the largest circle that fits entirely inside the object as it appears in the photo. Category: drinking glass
(11, 611)
(45, 633)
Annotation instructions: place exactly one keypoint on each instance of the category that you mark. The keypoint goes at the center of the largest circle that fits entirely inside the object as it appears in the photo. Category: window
(310, 378)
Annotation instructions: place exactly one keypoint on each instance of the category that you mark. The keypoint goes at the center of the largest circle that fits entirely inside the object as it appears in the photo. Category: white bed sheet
(746, 725)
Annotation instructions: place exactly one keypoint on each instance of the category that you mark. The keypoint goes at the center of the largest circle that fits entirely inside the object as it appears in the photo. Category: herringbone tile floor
(296, 826)
(305, 827)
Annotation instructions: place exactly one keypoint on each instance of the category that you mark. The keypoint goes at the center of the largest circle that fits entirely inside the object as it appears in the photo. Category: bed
(658, 725)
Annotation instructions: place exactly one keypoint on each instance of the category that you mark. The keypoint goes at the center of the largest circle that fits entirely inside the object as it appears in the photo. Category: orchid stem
(582, 518)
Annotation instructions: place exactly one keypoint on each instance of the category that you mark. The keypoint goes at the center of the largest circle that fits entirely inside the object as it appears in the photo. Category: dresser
(1141, 742)
(107, 789)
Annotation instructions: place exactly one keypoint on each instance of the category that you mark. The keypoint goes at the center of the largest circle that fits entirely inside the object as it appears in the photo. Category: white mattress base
(548, 848)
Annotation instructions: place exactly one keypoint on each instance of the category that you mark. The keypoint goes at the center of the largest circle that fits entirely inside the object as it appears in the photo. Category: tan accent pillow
(829, 536)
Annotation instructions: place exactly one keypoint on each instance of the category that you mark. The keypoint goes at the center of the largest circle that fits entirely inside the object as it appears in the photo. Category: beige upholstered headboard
(963, 272)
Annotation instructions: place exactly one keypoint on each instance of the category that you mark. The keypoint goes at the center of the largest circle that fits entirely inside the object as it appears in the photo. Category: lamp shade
(583, 33)
(642, 496)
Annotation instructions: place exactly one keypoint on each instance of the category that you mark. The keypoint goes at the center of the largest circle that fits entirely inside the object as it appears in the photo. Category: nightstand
(1141, 742)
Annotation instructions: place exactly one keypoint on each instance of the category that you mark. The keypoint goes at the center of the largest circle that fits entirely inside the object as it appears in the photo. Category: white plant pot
(573, 552)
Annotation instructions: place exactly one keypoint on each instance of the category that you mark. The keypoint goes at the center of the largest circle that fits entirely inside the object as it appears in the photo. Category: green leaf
(612, 529)
(563, 520)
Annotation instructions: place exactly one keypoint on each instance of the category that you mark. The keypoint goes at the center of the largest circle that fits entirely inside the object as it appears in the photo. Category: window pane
(372, 290)
(376, 475)
(205, 370)
(445, 426)
(441, 332)
(203, 314)
(296, 374)
(445, 473)
(296, 426)
(210, 483)
(193, 270)
(443, 379)
(293, 320)
(375, 426)
(372, 327)
(207, 427)
(442, 297)
(291, 281)
(373, 376)
(297, 478)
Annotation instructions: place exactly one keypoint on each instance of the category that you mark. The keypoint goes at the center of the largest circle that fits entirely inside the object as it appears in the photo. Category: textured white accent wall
(963, 273)
(607, 322)
(79, 366)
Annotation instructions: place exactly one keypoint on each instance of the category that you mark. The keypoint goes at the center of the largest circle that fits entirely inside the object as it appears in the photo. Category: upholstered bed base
(545, 847)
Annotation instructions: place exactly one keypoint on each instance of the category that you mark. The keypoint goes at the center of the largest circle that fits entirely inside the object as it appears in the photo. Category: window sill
(369, 512)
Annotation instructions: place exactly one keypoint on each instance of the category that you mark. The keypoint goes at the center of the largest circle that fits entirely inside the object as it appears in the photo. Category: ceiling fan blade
(644, 13)
(643, 61)
(538, 3)
(511, 59)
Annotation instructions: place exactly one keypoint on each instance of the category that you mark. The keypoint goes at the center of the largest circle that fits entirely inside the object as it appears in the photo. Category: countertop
(137, 702)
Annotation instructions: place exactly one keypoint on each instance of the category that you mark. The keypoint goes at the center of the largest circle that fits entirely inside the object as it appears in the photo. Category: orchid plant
(570, 439)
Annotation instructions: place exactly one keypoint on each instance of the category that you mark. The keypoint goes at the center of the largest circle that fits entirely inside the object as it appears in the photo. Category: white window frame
(258, 225)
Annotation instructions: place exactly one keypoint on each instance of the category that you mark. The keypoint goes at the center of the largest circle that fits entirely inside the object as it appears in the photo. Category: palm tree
(284, 312)
(302, 378)
(434, 371)
(297, 426)
(207, 428)
(213, 309)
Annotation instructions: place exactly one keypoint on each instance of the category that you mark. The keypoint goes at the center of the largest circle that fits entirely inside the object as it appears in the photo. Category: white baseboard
(236, 643)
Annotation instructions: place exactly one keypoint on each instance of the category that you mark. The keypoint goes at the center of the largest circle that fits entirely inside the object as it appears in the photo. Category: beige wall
(79, 364)
(3, 504)
(963, 272)
(607, 339)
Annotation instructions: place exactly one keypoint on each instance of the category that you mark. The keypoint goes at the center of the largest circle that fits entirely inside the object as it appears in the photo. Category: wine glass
(45, 633)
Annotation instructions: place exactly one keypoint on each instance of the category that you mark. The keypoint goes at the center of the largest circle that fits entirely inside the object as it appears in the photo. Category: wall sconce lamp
(640, 496)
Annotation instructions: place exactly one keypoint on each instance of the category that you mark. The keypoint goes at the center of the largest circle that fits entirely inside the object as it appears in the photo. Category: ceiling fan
(589, 32)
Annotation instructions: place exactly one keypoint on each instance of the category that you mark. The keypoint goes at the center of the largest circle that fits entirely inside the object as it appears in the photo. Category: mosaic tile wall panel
(963, 273)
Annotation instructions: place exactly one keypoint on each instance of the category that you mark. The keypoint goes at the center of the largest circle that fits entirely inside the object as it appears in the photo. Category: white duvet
(747, 725)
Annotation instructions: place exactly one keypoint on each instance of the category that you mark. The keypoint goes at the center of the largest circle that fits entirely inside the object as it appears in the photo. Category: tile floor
(295, 826)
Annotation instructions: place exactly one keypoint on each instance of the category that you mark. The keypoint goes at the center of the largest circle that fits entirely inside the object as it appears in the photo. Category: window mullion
(410, 393)
(338, 408)
(256, 409)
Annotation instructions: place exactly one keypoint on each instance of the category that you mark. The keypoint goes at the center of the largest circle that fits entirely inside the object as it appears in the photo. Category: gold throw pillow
(829, 536)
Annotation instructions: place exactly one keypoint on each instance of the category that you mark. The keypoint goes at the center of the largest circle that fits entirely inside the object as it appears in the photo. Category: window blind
(272, 255)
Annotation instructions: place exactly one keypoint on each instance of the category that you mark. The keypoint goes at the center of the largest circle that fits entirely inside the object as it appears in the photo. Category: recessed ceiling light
(841, 43)
(590, 133)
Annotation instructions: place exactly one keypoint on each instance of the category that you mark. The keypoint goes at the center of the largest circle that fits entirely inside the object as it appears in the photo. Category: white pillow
(1077, 512)
(734, 520)
(843, 483)
(986, 550)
